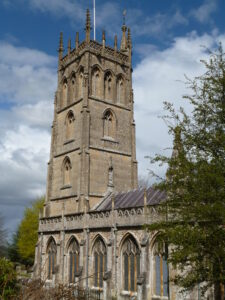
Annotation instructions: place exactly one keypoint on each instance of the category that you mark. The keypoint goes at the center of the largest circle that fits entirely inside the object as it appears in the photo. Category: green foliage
(193, 216)
(13, 251)
(2, 238)
(28, 232)
(7, 279)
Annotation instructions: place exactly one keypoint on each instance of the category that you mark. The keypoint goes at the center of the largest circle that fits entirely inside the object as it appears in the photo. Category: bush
(8, 281)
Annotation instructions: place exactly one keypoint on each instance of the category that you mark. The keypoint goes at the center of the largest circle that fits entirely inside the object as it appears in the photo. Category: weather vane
(124, 16)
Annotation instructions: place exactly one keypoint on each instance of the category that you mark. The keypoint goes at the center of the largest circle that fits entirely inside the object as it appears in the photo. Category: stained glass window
(131, 264)
(74, 252)
(51, 250)
(161, 271)
(100, 262)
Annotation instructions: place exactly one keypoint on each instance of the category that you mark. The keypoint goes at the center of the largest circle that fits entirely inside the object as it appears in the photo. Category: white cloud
(26, 76)
(157, 78)
(27, 85)
(70, 8)
(24, 126)
(144, 24)
(203, 13)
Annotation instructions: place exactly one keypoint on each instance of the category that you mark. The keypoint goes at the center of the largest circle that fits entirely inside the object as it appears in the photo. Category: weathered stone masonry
(91, 232)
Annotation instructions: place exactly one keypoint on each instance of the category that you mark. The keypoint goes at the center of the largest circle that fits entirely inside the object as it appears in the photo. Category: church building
(91, 232)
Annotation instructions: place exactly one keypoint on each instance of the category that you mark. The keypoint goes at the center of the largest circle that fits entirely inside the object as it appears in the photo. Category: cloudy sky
(169, 39)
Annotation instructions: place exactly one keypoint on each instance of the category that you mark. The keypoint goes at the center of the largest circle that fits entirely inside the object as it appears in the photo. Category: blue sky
(168, 39)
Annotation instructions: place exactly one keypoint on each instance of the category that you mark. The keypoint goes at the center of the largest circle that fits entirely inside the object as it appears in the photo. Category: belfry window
(100, 262)
(108, 86)
(160, 271)
(72, 88)
(120, 90)
(51, 251)
(64, 92)
(96, 82)
(109, 124)
(67, 172)
(131, 264)
(80, 83)
(70, 125)
(74, 254)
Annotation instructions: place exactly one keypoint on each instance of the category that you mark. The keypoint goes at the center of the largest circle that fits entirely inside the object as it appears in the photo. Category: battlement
(122, 55)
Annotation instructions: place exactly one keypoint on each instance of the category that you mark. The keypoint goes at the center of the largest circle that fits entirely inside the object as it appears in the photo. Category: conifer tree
(193, 216)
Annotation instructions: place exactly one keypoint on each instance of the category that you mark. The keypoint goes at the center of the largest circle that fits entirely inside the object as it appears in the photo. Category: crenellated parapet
(128, 217)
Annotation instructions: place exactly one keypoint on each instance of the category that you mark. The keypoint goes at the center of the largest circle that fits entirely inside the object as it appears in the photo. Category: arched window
(67, 172)
(64, 92)
(109, 124)
(74, 252)
(70, 125)
(100, 262)
(160, 270)
(51, 252)
(131, 264)
(80, 83)
(72, 88)
(96, 89)
(120, 90)
(108, 86)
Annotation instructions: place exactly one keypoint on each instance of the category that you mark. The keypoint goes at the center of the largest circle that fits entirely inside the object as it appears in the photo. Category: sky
(169, 37)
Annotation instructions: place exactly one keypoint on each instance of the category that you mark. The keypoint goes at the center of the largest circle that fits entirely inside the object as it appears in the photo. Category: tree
(8, 281)
(2, 238)
(13, 251)
(28, 232)
(193, 217)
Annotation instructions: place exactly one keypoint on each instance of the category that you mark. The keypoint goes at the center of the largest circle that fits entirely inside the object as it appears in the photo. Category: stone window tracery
(80, 83)
(67, 172)
(131, 264)
(108, 86)
(100, 262)
(96, 88)
(120, 90)
(109, 124)
(64, 92)
(72, 88)
(70, 119)
(74, 254)
(160, 271)
(51, 251)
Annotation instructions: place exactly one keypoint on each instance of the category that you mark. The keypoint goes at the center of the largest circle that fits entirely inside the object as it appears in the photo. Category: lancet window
(64, 92)
(109, 124)
(72, 88)
(67, 172)
(120, 90)
(74, 254)
(160, 270)
(96, 89)
(51, 252)
(70, 125)
(108, 86)
(80, 83)
(100, 262)
(131, 264)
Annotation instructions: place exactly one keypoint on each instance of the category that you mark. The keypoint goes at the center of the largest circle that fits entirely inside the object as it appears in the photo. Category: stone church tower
(93, 132)
(91, 233)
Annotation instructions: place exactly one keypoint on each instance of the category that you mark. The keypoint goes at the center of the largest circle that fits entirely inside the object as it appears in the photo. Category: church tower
(93, 132)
